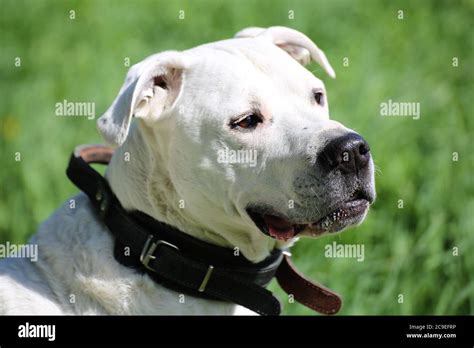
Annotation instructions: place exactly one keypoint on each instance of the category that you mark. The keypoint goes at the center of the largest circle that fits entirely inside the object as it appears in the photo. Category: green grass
(407, 251)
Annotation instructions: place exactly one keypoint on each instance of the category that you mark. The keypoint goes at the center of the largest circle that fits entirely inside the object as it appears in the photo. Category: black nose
(348, 153)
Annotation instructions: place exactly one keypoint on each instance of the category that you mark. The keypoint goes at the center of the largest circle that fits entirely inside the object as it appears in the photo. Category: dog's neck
(141, 181)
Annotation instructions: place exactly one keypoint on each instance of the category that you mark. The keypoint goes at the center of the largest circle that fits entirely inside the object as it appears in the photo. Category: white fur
(172, 150)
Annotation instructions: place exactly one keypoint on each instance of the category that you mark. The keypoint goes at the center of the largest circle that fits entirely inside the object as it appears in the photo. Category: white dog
(232, 144)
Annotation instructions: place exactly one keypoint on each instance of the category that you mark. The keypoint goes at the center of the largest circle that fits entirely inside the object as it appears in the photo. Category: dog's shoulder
(40, 284)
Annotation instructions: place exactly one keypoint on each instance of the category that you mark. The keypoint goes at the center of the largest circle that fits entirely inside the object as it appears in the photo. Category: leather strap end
(306, 292)
(94, 153)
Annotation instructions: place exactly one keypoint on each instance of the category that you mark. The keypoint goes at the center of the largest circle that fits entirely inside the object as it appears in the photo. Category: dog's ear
(150, 88)
(295, 43)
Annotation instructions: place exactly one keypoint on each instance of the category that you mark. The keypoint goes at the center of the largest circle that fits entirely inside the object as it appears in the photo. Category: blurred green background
(408, 251)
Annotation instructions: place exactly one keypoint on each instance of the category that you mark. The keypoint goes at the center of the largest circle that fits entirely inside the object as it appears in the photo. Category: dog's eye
(319, 97)
(247, 122)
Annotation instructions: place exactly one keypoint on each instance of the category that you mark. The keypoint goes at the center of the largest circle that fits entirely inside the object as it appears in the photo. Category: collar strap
(187, 264)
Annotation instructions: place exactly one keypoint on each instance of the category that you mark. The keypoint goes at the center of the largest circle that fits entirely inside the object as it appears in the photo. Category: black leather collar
(173, 258)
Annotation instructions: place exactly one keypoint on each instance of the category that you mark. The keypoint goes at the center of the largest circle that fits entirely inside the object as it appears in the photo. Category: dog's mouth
(281, 228)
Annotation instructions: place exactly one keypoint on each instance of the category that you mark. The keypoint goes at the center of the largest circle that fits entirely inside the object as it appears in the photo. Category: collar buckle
(149, 248)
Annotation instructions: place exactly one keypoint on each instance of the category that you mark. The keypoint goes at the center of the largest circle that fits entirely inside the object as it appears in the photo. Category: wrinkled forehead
(246, 70)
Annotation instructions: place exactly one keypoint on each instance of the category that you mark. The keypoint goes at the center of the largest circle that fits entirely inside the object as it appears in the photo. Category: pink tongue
(279, 228)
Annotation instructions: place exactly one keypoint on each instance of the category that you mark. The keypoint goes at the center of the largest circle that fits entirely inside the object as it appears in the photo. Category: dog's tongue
(279, 228)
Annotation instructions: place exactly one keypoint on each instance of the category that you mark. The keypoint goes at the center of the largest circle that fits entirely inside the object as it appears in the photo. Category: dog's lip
(342, 216)
(348, 213)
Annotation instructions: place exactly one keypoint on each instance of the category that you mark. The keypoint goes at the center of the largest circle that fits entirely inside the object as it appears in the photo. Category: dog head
(242, 132)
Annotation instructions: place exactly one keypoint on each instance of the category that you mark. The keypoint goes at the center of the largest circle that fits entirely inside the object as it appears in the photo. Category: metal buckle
(204, 282)
(147, 253)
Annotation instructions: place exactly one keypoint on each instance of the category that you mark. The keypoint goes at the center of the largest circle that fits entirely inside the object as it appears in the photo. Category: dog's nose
(348, 153)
